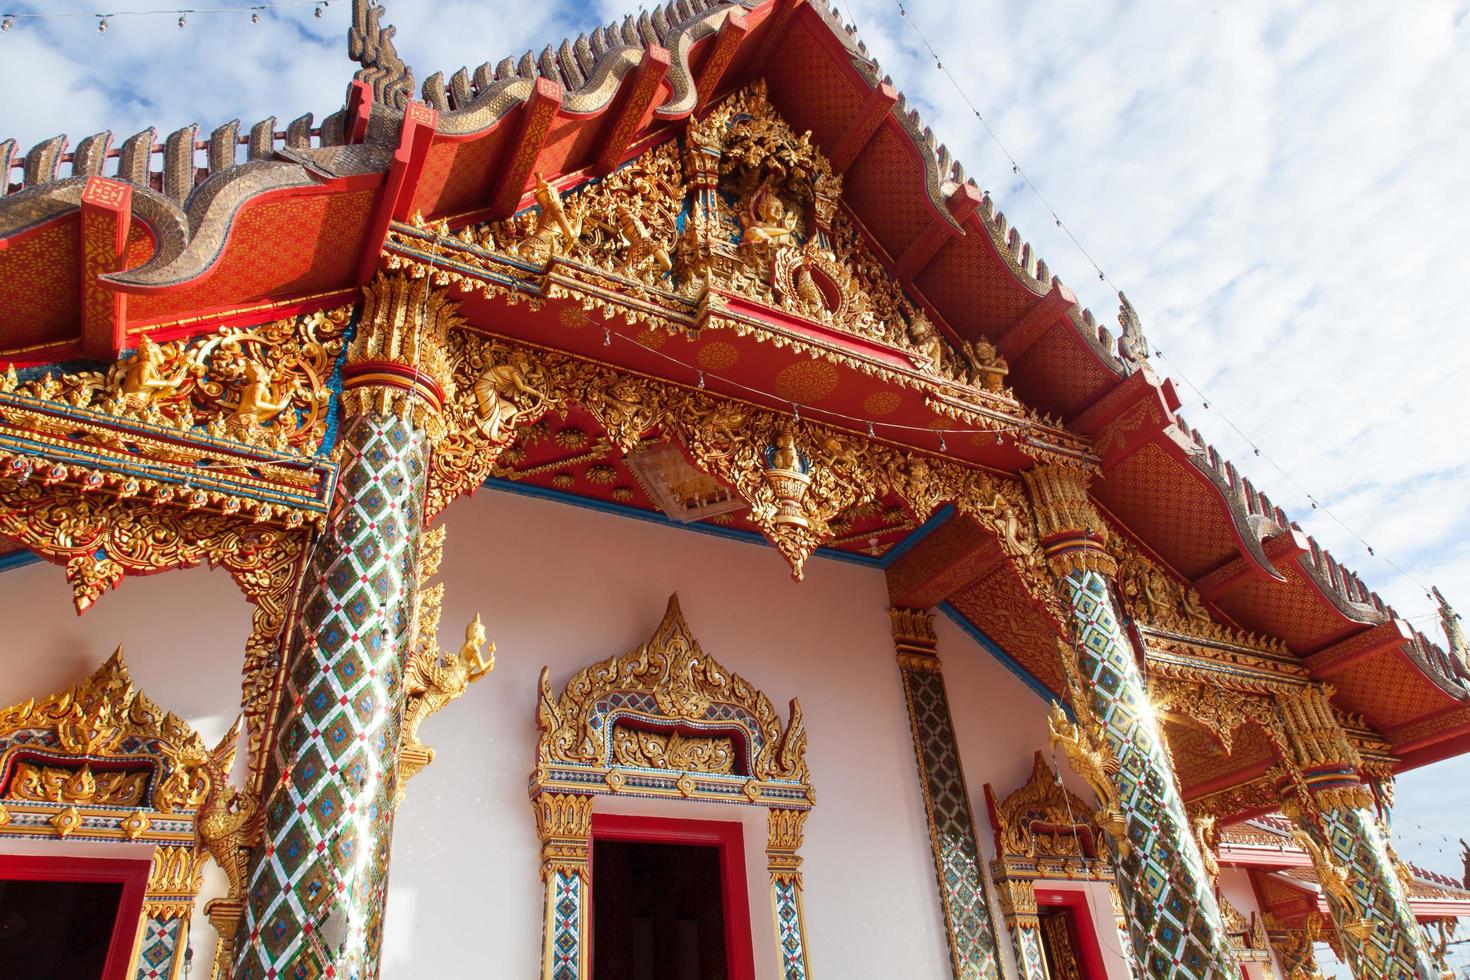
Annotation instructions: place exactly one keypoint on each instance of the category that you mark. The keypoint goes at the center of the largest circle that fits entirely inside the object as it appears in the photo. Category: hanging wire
(1312, 499)
(9, 19)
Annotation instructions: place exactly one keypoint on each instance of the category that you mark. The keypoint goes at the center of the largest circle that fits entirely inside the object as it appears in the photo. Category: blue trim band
(916, 535)
(662, 519)
(1010, 663)
(18, 559)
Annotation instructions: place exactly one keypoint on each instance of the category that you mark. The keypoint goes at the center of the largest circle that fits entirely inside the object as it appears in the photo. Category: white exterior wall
(565, 586)
(1235, 885)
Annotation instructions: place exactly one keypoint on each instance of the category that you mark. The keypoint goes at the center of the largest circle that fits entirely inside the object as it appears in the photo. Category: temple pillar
(1117, 745)
(564, 823)
(318, 875)
(1338, 828)
(783, 842)
(957, 862)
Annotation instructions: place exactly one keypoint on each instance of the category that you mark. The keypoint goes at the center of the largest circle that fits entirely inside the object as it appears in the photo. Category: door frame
(1074, 899)
(132, 873)
(726, 836)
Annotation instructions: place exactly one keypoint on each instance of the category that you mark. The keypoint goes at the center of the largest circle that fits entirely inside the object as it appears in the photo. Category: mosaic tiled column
(957, 862)
(783, 861)
(564, 823)
(1018, 908)
(319, 874)
(1174, 920)
(1338, 827)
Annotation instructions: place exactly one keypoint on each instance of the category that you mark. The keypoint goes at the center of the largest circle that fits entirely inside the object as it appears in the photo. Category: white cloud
(1280, 187)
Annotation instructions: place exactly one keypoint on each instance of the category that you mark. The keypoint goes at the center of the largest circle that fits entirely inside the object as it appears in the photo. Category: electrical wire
(1017, 170)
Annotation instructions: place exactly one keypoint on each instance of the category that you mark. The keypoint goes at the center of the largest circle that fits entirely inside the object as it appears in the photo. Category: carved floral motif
(265, 385)
(685, 685)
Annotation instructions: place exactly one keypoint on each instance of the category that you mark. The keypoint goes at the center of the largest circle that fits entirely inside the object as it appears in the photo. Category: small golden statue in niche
(259, 402)
(766, 220)
(431, 680)
(641, 245)
(788, 479)
(987, 369)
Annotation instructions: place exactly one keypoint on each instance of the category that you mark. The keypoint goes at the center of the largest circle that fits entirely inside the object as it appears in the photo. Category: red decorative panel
(1199, 758)
(286, 247)
(971, 288)
(1167, 504)
(457, 176)
(1387, 691)
(885, 188)
(140, 246)
(573, 141)
(1058, 374)
(1293, 610)
(810, 91)
(999, 605)
(39, 287)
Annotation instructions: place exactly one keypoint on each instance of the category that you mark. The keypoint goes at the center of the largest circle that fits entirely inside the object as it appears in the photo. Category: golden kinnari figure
(431, 680)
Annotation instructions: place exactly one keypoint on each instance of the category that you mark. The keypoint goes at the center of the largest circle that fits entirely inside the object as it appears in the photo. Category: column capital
(398, 363)
(1073, 534)
(1320, 764)
(914, 639)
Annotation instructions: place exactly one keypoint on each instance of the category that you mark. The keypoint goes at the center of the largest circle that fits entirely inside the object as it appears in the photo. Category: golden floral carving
(673, 750)
(99, 538)
(1040, 819)
(1332, 875)
(1215, 709)
(264, 385)
(92, 721)
(64, 784)
(730, 441)
(405, 324)
(683, 682)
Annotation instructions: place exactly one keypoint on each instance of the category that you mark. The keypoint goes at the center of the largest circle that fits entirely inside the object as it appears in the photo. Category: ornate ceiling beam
(1048, 311)
(962, 204)
(634, 106)
(525, 146)
(732, 32)
(1280, 548)
(949, 558)
(415, 137)
(107, 213)
(1334, 659)
(860, 129)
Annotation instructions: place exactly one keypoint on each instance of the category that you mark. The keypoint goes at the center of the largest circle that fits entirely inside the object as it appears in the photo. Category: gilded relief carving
(265, 385)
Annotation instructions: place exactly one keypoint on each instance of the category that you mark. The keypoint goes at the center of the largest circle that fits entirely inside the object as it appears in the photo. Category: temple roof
(172, 237)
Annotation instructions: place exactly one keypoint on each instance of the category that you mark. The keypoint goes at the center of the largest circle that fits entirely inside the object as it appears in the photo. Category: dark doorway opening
(658, 912)
(57, 929)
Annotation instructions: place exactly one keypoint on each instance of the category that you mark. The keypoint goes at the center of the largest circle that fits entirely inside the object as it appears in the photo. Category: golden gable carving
(666, 685)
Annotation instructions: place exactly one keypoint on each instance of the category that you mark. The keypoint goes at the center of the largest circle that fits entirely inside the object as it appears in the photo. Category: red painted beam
(633, 107)
(359, 109)
(1035, 322)
(860, 130)
(1333, 660)
(921, 251)
(404, 170)
(525, 147)
(721, 52)
(1281, 548)
(776, 24)
(944, 562)
(107, 213)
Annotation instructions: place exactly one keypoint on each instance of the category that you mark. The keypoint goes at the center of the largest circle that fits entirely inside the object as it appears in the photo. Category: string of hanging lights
(1206, 402)
(12, 19)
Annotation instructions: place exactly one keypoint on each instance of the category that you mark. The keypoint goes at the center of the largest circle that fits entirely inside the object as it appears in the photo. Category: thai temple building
(861, 605)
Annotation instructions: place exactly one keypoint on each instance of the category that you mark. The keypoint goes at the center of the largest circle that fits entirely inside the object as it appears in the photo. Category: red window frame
(1084, 928)
(728, 838)
(133, 874)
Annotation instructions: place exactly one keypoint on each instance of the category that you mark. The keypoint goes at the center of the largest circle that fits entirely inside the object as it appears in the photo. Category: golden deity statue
(258, 402)
(766, 220)
(641, 244)
(431, 680)
(504, 392)
(552, 223)
(144, 379)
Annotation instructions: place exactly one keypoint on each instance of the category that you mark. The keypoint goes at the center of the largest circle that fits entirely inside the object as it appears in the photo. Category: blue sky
(1280, 187)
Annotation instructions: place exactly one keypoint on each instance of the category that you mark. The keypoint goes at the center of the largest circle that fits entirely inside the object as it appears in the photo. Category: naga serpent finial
(371, 45)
